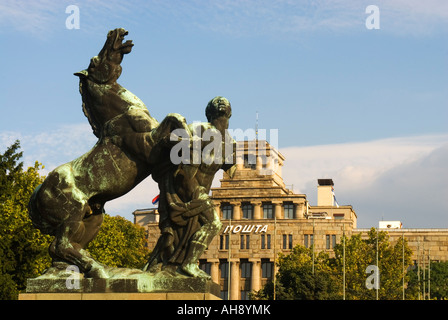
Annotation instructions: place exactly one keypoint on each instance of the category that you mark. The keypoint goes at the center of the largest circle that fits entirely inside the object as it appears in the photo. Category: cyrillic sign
(246, 228)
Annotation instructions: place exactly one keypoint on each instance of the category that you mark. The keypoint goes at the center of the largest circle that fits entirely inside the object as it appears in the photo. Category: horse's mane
(85, 107)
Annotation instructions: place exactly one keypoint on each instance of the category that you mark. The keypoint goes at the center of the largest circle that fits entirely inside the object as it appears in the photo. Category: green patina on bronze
(131, 145)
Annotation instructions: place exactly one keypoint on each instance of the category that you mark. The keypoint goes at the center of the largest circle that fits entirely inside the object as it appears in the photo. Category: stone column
(234, 279)
(259, 164)
(240, 163)
(278, 209)
(236, 210)
(218, 208)
(257, 210)
(298, 211)
(214, 270)
(255, 283)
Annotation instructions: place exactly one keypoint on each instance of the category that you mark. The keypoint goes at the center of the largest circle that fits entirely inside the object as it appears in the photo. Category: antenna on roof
(256, 126)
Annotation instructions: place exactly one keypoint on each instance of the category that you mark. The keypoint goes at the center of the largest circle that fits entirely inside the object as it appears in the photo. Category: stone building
(261, 217)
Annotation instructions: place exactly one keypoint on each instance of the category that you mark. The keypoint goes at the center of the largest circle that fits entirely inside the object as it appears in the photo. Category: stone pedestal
(143, 286)
(119, 296)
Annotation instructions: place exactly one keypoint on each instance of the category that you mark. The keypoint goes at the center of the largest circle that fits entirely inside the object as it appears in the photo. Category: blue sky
(367, 108)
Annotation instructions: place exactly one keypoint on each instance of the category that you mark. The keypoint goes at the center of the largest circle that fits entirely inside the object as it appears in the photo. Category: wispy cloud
(68, 142)
(138, 198)
(52, 148)
(398, 178)
(236, 17)
(414, 192)
(291, 17)
(379, 178)
(42, 17)
(28, 16)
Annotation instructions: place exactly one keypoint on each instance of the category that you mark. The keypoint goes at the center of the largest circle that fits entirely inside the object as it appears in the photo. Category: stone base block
(119, 296)
(141, 285)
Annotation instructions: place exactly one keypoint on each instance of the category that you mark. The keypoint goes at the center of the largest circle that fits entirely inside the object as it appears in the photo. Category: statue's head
(218, 107)
(105, 67)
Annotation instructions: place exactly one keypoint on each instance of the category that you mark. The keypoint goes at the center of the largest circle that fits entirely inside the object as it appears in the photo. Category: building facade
(261, 218)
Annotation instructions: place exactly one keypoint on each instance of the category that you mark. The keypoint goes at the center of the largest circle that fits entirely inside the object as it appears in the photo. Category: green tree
(295, 278)
(359, 254)
(439, 280)
(298, 278)
(120, 243)
(23, 249)
(435, 280)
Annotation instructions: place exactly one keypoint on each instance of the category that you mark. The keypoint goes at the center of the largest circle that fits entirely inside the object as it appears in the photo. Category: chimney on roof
(325, 195)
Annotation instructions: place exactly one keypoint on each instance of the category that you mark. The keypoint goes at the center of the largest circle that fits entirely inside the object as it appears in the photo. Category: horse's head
(105, 67)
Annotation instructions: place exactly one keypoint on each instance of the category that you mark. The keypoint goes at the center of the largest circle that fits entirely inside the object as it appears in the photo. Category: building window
(224, 275)
(227, 211)
(288, 209)
(268, 211)
(264, 162)
(248, 211)
(246, 269)
(338, 216)
(224, 242)
(224, 269)
(330, 241)
(250, 161)
(205, 266)
(308, 240)
(287, 241)
(265, 241)
(244, 241)
(267, 268)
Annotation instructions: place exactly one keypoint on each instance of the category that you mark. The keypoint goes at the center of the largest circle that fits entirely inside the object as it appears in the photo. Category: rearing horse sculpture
(70, 202)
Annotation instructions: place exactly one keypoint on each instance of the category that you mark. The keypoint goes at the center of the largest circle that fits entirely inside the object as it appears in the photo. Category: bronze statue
(188, 219)
(131, 145)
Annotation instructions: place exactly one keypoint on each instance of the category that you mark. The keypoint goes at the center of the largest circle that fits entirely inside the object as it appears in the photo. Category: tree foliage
(433, 278)
(296, 280)
(299, 278)
(359, 254)
(438, 280)
(120, 243)
(23, 249)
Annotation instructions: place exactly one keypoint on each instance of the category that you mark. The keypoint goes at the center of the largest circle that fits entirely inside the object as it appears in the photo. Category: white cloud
(249, 17)
(29, 16)
(59, 146)
(41, 17)
(383, 178)
(138, 198)
(52, 148)
(395, 179)
(236, 17)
